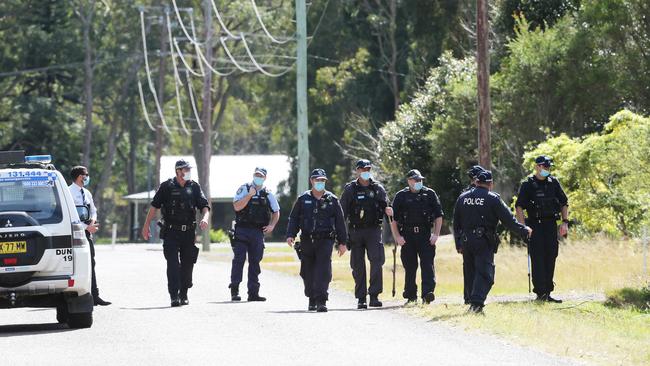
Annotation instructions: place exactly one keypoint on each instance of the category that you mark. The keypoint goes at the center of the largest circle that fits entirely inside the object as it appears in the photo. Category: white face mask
(187, 175)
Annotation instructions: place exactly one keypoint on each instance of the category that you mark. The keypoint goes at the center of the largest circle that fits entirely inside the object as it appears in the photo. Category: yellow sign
(13, 247)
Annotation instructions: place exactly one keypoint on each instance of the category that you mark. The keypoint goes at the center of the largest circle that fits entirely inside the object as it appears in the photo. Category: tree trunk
(392, 68)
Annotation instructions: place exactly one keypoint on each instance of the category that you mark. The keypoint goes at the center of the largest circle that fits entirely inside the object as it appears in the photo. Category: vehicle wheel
(62, 313)
(80, 320)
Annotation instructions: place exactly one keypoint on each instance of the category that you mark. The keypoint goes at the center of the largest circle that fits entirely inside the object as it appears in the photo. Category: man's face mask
(319, 186)
(418, 185)
(187, 175)
(86, 181)
(544, 172)
(365, 175)
(258, 181)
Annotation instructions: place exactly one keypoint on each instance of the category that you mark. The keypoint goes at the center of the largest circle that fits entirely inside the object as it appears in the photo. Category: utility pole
(301, 97)
(162, 70)
(483, 69)
(206, 149)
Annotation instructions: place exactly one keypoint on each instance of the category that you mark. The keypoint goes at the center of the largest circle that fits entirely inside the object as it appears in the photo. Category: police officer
(476, 215)
(364, 203)
(179, 198)
(318, 215)
(418, 220)
(468, 278)
(83, 197)
(545, 202)
(257, 212)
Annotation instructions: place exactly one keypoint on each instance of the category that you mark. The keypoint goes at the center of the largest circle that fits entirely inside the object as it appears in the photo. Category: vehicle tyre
(80, 320)
(62, 313)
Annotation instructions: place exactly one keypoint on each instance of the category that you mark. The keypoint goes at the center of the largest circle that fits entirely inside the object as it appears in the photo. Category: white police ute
(44, 253)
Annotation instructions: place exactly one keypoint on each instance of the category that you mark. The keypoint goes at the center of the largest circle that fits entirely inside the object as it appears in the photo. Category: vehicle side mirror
(84, 213)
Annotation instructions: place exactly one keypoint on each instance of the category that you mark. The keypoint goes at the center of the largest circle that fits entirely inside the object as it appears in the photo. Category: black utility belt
(317, 236)
(248, 225)
(183, 228)
(365, 226)
(416, 229)
(540, 220)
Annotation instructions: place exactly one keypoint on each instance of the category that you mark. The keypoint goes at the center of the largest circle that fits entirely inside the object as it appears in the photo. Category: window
(39, 199)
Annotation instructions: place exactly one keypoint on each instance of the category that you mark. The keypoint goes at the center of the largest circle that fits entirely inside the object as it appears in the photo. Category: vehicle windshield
(35, 193)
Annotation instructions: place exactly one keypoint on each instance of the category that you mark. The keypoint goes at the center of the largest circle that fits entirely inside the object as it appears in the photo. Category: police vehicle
(44, 254)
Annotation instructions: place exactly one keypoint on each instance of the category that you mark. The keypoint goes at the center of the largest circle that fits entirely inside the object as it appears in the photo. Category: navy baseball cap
(318, 173)
(484, 176)
(182, 164)
(364, 163)
(414, 174)
(260, 170)
(544, 160)
(474, 171)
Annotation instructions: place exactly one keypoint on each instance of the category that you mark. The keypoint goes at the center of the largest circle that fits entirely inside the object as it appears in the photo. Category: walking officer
(179, 198)
(364, 204)
(468, 279)
(318, 215)
(476, 215)
(418, 220)
(545, 202)
(257, 212)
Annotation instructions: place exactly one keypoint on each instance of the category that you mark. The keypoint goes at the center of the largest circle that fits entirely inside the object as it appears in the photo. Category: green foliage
(630, 298)
(218, 236)
(604, 174)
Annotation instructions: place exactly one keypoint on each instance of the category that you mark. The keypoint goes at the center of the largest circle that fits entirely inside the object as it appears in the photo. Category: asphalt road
(141, 329)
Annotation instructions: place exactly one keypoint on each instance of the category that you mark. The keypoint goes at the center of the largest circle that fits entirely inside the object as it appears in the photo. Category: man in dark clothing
(418, 220)
(476, 215)
(318, 215)
(364, 202)
(545, 202)
(179, 198)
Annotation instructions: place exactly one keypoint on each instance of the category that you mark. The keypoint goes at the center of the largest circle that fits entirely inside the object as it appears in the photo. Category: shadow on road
(229, 302)
(334, 310)
(19, 330)
(149, 308)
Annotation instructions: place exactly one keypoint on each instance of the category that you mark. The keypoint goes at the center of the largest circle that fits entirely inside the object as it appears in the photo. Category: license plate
(13, 247)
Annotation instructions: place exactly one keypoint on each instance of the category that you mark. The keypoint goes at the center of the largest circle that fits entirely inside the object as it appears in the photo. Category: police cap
(544, 160)
(474, 171)
(363, 163)
(182, 164)
(414, 174)
(318, 173)
(260, 170)
(484, 176)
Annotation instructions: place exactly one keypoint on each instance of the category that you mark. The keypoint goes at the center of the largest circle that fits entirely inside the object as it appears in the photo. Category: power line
(268, 34)
(260, 68)
(177, 79)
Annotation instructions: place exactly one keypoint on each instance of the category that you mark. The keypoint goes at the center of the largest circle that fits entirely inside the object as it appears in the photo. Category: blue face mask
(86, 181)
(319, 186)
(418, 186)
(365, 175)
(258, 181)
(544, 173)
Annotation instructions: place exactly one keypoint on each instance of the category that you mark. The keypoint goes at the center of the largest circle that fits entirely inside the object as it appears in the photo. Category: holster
(195, 254)
(163, 231)
(231, 236)
(298, 248)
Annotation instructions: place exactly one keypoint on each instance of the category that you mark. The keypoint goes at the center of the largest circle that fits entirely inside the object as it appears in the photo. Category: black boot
(321, 308)
(429, 298)
(550, 299)
(183, 297)
(475, 309)
(312, 305)
(176, 302)
(362, 303)
(411, 301)
(234, 292)
(374, 302)
(98, 301)
(256, 297)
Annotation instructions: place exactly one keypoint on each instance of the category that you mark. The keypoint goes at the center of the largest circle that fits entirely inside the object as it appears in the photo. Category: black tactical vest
(365, 207)
(418, 209)
(318, 216)
(257, 211)
(179, 205)
(544, 203)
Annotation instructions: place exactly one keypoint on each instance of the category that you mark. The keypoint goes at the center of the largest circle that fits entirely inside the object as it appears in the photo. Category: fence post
(114, 239)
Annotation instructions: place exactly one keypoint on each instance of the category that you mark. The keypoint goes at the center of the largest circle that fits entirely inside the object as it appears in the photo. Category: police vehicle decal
(29, 178)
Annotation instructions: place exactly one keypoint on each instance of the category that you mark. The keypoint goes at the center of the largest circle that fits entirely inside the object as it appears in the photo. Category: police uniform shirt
(527, 191)
(479, 207)
(243, 192)
(348, 195)
(308, 200)
(162, 196)
(83, 200)
(400, 203)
